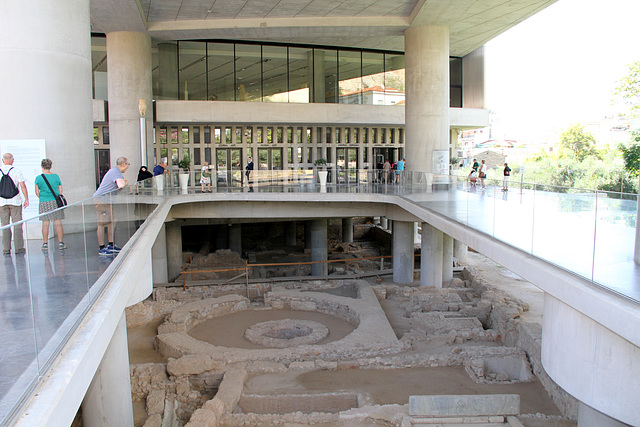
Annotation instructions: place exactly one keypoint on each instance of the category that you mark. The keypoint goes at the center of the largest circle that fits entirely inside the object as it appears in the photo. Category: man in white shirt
(11, 209)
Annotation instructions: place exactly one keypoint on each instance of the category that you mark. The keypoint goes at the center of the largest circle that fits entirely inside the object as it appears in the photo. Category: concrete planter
(159, 182)
(183, 179)
(323, 177)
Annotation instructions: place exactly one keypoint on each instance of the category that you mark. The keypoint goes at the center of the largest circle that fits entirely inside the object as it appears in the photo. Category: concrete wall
(473, 79)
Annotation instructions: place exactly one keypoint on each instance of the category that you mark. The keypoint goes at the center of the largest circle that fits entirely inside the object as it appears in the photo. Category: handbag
(482, 175)
(60, 200)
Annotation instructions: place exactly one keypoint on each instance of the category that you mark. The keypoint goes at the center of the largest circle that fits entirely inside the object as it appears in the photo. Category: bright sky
(560, 66)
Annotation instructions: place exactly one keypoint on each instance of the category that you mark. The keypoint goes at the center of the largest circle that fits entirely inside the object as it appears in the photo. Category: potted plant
(183, 175)
(322, 174)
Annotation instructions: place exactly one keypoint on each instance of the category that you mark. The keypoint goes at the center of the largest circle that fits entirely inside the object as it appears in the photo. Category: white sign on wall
(27, 154)
(441, 162)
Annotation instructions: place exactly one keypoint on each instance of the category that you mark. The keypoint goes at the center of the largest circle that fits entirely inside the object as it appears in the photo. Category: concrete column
(589, 417)
(235, 238)
(431, 259)
(45, 82)
(460, 250)
(174, 249)
(168, 71)
(222, 237)
(447, 258)
(290, 233)
(307, 234)
(129, 64)
(108, 399)
(383, 222)
(427, 95)
(319, 246)
(402, 236)
(317, 77)
(347, 230)
(159, 267)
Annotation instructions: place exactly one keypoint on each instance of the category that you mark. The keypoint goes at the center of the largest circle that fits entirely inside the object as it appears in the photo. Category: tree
(628, 88)
(578, 142)
(631, 154)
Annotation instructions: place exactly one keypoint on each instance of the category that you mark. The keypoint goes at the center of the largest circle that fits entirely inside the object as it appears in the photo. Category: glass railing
(47, 293)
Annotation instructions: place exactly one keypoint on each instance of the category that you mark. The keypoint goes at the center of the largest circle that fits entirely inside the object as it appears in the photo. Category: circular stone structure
(286, 333)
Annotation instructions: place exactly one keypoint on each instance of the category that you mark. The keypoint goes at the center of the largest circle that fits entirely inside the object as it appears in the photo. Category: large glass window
(350, 77)
(248, 72)
(221, 71)
(325, 76)
(275, 78)
(300, 60)
(393, 79)
(192, 71)
(455, 76)
(373, 78)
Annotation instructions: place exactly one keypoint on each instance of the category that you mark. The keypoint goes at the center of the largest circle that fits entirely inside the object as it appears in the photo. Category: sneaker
(21, 251)
(6, 253)
(61, 246)
(45, 247)
(113, 248)
(105, 251)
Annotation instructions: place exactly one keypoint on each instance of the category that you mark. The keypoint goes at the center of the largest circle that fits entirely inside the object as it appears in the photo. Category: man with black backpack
(11, 203)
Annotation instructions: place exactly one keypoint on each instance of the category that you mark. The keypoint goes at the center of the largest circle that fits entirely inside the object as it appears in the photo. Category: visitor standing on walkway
(159, 169)
(11, 207)
(400, 171)
(507, 173)
(248, 171)
(205, 178)
(475, 165)
(483, 173)
(113, 180)
(48, 186)
(387, 171)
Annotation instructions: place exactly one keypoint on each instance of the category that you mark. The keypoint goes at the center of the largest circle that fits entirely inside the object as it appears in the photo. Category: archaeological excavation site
(256, 339)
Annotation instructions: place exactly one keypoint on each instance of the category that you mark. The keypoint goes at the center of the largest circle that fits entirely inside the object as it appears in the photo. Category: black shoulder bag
(60, 200)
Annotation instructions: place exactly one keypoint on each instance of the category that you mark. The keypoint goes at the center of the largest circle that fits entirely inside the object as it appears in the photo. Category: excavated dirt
(404, 307)
(228, 331)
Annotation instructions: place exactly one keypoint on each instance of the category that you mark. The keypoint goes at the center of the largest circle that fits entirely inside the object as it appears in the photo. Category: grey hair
(7, 156)
(121, 161)
(46, 164)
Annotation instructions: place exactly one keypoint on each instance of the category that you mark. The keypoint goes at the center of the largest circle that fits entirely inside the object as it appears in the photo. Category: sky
(560, 66)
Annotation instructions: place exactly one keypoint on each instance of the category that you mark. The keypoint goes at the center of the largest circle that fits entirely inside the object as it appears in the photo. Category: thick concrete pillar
(347, 230)
(307, 234)
(174, 249)
(431, 259)
(460, 250)
(427, 96)
(129, 65)
(222, 237)
(589, 417)
(168, 71)
(235, 238)
(402, 236)
(45, 82)
(383, 222)
(290, 233)
(447, 258)
(108, 399)
(159, 267)
(319, 247)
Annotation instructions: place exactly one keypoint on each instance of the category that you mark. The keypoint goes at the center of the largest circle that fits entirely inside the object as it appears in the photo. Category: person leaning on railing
(112, 180)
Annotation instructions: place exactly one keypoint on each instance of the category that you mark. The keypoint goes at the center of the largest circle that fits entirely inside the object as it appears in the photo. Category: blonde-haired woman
(48, 203)
(205, 178)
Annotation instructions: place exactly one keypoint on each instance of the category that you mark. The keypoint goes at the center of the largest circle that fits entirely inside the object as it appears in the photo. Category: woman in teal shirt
(48, 204)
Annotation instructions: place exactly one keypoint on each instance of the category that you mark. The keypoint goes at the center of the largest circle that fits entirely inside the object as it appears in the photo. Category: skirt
(48, 206)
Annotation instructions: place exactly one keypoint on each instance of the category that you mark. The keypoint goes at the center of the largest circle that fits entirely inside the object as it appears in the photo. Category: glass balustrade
(45, 294)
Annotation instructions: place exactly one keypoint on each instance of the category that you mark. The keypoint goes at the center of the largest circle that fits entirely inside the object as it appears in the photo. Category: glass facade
(240, 71)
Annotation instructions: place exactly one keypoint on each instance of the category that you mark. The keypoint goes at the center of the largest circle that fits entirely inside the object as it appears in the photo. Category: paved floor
(44, 294)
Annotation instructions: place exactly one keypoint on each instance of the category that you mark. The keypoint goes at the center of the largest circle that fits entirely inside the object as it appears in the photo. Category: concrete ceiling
(371, 24)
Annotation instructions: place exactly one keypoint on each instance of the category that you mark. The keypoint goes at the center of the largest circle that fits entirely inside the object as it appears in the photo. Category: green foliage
(628, 89)
(578, 143)
(184, 163)
(631, 154)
